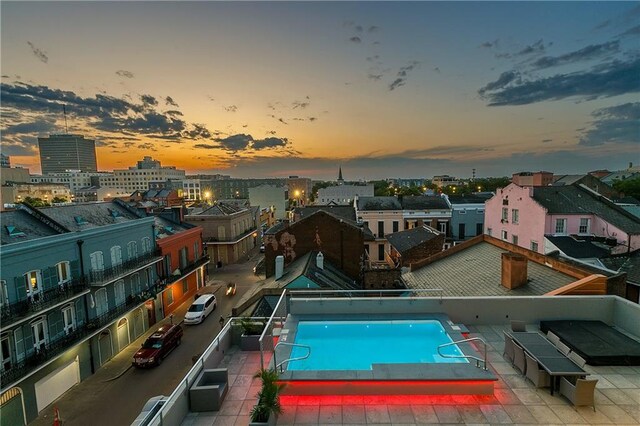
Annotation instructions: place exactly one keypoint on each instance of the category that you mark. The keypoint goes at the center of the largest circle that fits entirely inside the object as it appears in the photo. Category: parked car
(158, 346)
(151, 407)
(200, 309)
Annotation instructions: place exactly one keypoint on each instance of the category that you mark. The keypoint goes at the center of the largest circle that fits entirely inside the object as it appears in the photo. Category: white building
(343, 195)
(270, 197)
(445, 180)
(74, 180)
(138, 178)
(193, 189)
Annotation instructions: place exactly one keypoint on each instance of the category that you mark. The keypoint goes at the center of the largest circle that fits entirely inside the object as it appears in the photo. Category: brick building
(415, 244)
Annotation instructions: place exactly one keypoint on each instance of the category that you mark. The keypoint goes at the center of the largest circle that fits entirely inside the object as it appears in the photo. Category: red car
(158, 346)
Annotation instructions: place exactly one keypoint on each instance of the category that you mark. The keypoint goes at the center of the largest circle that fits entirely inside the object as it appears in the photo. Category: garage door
(57, 383)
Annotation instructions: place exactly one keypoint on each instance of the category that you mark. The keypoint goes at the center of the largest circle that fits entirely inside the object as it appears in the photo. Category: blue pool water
(355, 345)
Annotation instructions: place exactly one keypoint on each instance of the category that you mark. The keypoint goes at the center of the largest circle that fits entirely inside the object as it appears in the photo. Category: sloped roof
(577, 200)
(378, 203)
(221, 209)
(166, 228)
(578, 249)
(24, 227)
(424, 202)
(344, 212)
(468, 199)
(625, 263)
(410, 238)
(77, 217)
(566, 179)
(477, 271)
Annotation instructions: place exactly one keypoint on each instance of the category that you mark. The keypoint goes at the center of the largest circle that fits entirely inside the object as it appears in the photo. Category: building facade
(274, 198)
(532, 178)
(343, 195)
(141, 177)
(229, 232)
(467, 216)
(74, 180)
(59, 153)
(79, 283)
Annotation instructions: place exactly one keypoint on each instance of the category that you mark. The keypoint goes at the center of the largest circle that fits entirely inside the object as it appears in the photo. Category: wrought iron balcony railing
(103, 276)
(36, 357)
(40, 301)
(170, 279)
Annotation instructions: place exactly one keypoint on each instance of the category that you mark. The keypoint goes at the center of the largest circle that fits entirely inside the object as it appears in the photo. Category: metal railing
(170, 279)
(269, 325)
(101, 277)
(238, 237)
(350, 294)
(276, 365)
(12, 312)
(471, 339)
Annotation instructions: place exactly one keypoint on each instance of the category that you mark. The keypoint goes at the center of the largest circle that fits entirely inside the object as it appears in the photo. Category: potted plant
(266, 411)
(251, 331)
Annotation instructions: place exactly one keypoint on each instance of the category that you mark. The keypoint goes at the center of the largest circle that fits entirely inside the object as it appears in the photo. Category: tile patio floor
(515, 400)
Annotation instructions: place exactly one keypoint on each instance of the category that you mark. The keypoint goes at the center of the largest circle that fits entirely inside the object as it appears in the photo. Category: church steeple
(340, 180)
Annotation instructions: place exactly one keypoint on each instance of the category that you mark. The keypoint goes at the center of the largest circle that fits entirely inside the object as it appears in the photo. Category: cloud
(547, 140)
(590, 52)
(537, 47)
(298, 104)
(282, 120)
(617, 124)
(197, 131)
(231, 108)
(237, 142)
(149, 100)
(359, 28)
(402, 74)
(611, 79)
(125, 74)
(373, 29)
(39, 126)
(312, 119)
(271, 142)
(437, 69)
(169, 101)
(631, 31)
(489, 44)
(40, 54)
(374, 77)
(356, 39)
(205, 146)
(147, 145)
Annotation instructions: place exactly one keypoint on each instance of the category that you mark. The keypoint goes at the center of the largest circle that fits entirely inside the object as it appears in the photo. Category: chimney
(320, 260)
(279, 267)
(514, 270)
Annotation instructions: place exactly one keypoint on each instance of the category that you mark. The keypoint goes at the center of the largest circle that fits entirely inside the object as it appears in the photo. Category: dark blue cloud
(244, 142)
(587, 53)
(617, 124)
(38, 53)
(611, 79)
(124, 73)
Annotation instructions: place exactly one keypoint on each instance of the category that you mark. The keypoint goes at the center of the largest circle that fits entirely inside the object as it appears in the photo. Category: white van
(200, 309)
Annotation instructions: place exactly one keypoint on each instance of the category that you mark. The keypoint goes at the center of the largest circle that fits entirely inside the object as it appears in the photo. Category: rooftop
(378, 203)
(476, 271)
(410, 238)
(343, 212)
(424, 202)
(583, 248)
(18, 225)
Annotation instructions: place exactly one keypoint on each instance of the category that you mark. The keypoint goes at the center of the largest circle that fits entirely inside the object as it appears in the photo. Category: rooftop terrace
(514, 400)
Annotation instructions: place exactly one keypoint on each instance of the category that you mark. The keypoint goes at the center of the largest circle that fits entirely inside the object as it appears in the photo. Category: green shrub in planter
(268, 406)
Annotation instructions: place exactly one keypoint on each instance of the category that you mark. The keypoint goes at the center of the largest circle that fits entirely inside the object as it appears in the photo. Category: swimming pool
(357, 345)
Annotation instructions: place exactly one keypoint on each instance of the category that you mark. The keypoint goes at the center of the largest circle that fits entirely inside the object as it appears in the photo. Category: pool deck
(514, 401)
(450, 378)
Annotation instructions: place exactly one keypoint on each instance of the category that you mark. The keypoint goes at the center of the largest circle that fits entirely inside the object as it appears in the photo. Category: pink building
(524, 216)
(532, 178)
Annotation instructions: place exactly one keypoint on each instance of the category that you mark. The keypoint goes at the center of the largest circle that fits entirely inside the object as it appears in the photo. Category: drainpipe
(86, 304)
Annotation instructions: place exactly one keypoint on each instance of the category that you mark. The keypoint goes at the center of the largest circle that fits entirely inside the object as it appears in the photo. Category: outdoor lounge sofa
(209, 389)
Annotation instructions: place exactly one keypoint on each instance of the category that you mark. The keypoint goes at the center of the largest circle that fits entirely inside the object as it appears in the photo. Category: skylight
(79, 220)
(14, 232)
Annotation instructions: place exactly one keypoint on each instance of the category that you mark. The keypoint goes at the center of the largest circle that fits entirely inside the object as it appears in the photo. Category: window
(185, 286)
(478, 228)
(504, 235)
(183, 258)
(561, 226)
(118, 288)
(169, 293)
(199, 278)
(97, 261)
(68, 319)
(514, 239)
(489, 231)
(102, 304)
(116, 256)
(4, 294)
(196, 254)
(135, 284)
(515, 215)
(33, 282)
(132, 250)
(146, 245)
(64, 272)
(380, 229)
(505, 214)
(480, 211)
(442, 227)
(167, 264)
(584, 225)
(5, 349)
(395, 226)
(39, 331)
(380, 251)
(461, 231)
(505, 202)
(534, 246)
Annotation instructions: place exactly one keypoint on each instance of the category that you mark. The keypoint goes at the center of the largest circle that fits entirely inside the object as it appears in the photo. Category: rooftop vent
(14, 232)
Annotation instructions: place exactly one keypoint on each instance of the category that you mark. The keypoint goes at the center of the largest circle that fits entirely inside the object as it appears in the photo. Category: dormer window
(79, 220)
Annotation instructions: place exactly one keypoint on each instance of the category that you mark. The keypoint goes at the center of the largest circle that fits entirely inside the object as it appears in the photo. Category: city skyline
(278, 89)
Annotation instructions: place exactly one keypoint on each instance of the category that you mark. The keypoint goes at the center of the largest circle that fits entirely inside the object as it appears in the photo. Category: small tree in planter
(266, 411)
(251, 331)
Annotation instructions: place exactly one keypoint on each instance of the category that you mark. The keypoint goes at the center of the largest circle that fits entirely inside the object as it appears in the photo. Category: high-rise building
(59, 153)
(4, 161)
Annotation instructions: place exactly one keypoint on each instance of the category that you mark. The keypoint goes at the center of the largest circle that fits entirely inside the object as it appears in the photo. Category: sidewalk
(79, 398)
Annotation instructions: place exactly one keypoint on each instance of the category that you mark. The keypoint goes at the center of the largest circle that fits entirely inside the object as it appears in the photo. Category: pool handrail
(269, 324)
(470, 339)
(289, 359)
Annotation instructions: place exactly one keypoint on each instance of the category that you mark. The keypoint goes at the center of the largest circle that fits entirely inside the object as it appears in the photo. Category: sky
(272, 89)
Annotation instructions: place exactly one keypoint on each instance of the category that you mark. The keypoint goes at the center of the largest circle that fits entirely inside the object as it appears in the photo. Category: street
(111, 397)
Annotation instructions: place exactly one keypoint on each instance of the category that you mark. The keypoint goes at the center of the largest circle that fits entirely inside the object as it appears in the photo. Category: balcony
(42, 301)
(105, 276)
(37, 358)
(237, 238)
(168, 280)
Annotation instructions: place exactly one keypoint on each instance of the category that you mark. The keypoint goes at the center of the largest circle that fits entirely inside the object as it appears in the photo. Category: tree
(36, 202)
(381, 188)
(59, 200)
(628, 187)
(317, 186)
